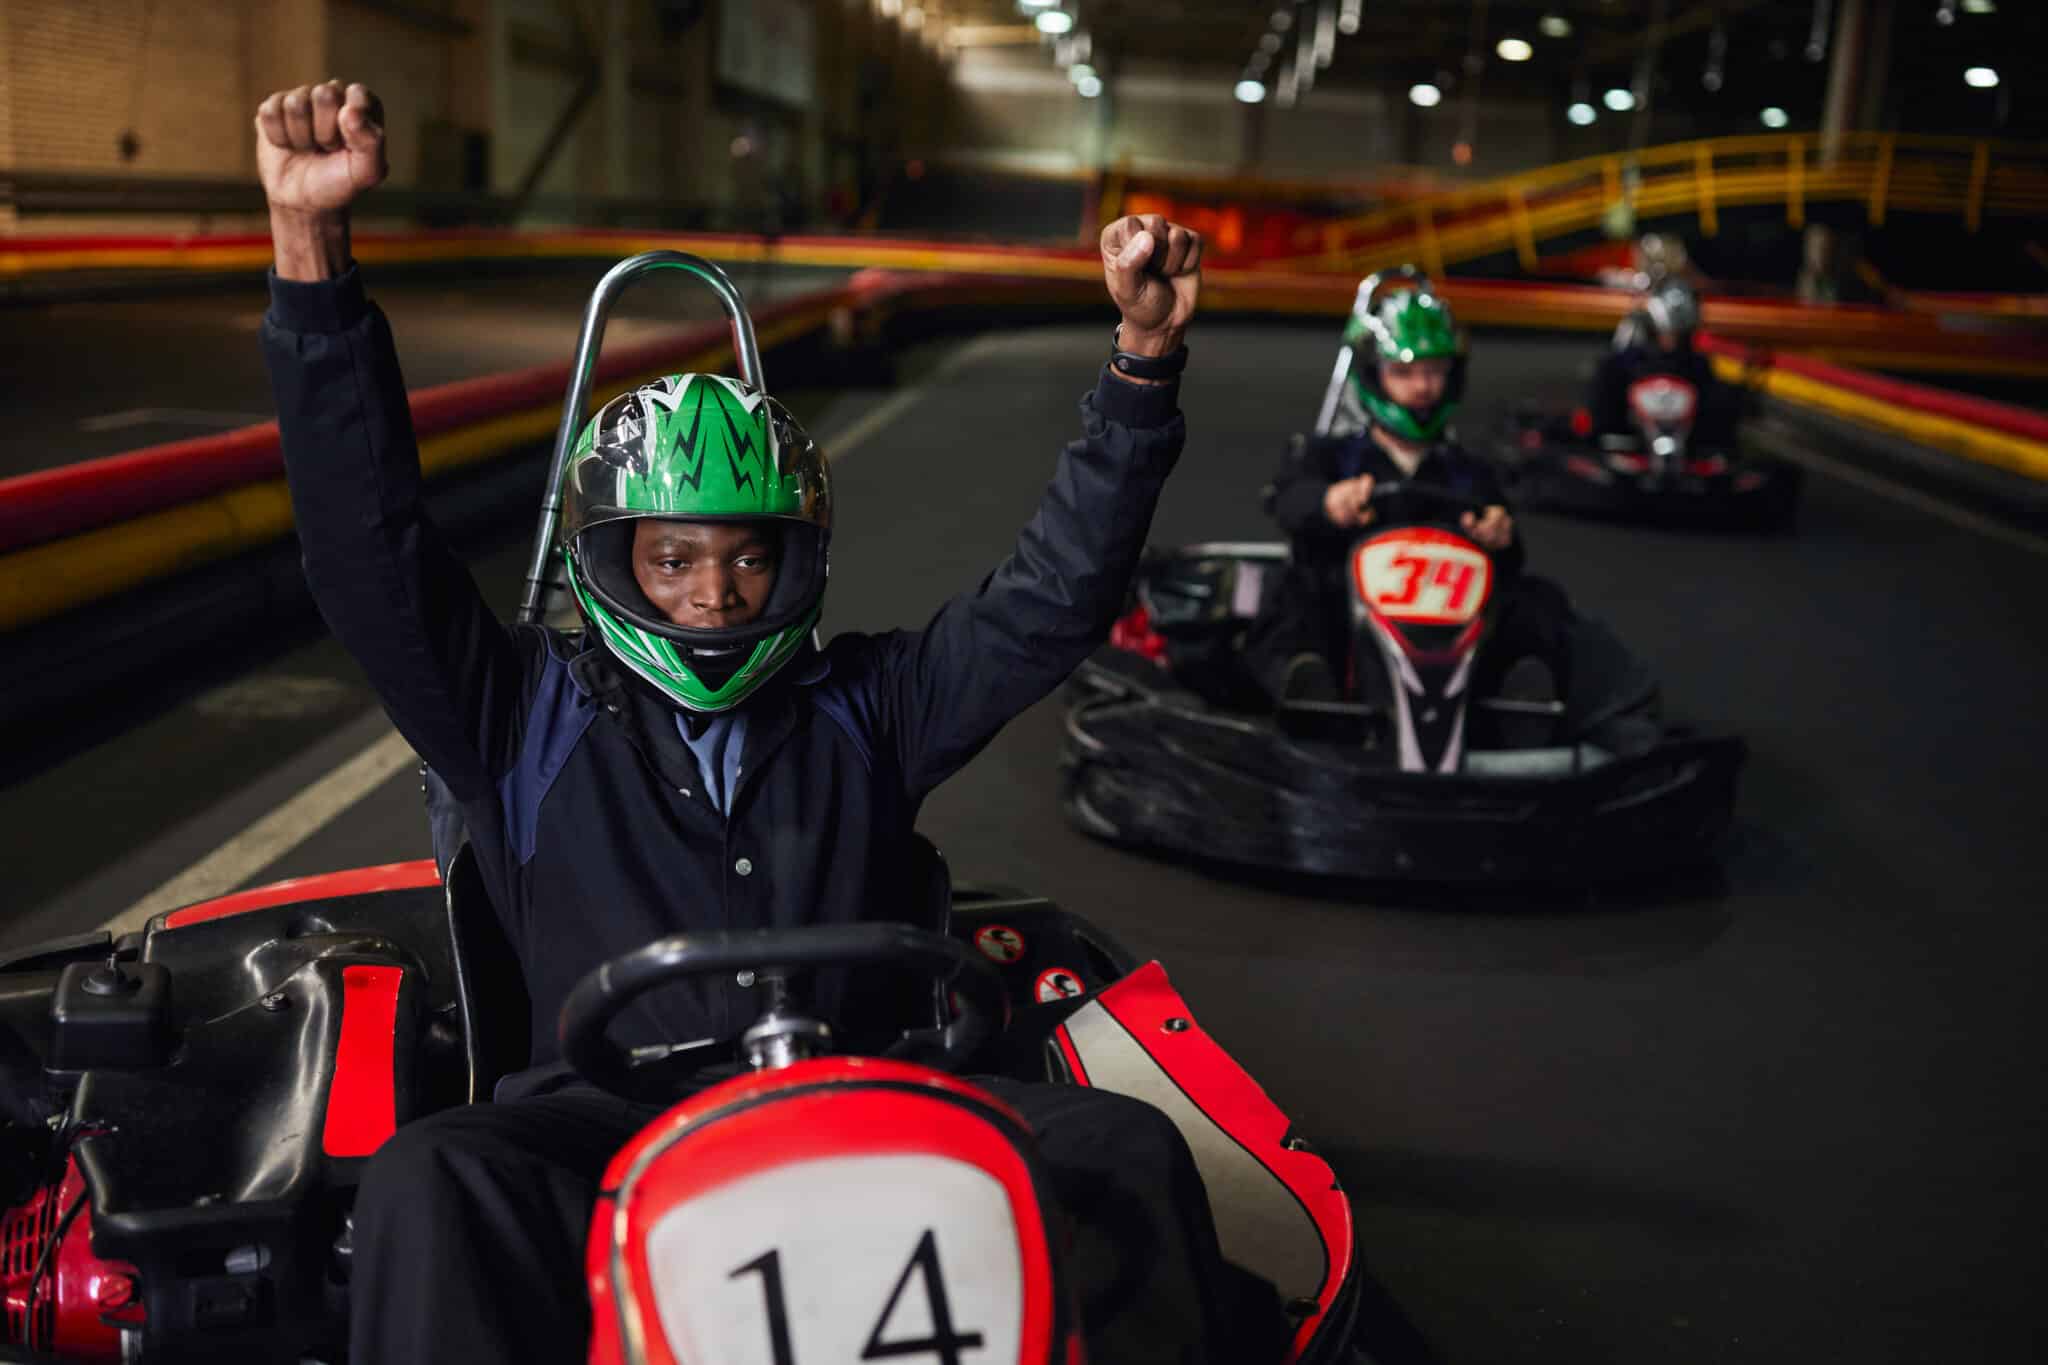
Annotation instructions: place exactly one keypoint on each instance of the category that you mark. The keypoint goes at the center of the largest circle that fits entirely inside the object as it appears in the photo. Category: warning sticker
(1058, 983)
(999, 942)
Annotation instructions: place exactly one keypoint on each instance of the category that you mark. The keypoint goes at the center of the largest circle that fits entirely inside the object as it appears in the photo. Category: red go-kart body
(183, 1173)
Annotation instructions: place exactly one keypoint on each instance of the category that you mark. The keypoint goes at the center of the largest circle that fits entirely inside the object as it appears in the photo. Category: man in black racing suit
(693, 761)
(1391, 427)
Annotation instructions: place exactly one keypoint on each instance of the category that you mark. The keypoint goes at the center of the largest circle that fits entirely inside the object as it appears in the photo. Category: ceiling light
(1514, 50)
(1979, 7)
(1347, 16)
(1055, 22)
(1283, 19)
(1774, 117)
(1089, 86)
(1980, 77)
(913, 18)
(1619, 100)
(1269, 42)
(1258, 64)
(890, 8)
(1554, 26)
(1425, 95)
(1080, 71)
(1250, 91)
(1581, 113)
(1033, 6)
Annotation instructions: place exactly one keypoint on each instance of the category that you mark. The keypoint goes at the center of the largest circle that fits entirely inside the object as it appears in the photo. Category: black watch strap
(1137, 366)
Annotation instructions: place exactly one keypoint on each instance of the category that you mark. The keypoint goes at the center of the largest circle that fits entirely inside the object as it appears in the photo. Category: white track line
(276, 834)
(284, 829)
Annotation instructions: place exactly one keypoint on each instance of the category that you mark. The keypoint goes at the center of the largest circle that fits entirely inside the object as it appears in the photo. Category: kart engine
(55, 1295)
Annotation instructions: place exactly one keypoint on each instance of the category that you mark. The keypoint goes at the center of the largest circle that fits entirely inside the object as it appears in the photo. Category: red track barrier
(1962, 407)
(51, 503)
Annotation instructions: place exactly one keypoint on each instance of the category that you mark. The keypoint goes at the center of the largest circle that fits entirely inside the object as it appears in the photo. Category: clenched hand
(1494, 529)
(1154, 272)
(1348, 502)
(318, 149)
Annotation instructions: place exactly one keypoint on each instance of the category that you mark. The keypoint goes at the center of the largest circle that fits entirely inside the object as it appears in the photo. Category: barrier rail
(80, 533)
(77, 534)
(1881, 172)
(1976, 429)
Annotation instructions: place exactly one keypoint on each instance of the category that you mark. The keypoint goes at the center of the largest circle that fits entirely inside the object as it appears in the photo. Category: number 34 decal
(944, 1344)
(1423, 576)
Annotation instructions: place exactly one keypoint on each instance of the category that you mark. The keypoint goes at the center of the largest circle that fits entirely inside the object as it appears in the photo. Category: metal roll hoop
(746, 353)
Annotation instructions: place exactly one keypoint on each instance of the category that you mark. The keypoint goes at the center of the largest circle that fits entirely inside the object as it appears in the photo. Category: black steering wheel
(1432, 492)
(772, 956)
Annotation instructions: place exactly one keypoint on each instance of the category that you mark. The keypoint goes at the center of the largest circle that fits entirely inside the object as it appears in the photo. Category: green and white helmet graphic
(1398, 317)
(695, 447)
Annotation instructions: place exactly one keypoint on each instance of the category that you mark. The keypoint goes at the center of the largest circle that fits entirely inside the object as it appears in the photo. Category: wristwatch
(1137, 366)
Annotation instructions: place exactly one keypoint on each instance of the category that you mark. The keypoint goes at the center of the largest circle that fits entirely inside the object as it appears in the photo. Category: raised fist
(319, 147)
(1154, 272)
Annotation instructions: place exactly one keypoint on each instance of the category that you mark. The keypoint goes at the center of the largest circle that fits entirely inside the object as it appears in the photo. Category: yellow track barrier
(1883, 172)
(2001, 450)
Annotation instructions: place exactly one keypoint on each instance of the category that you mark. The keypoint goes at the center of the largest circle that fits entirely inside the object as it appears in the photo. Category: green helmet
(695, 447)
(1398, 317)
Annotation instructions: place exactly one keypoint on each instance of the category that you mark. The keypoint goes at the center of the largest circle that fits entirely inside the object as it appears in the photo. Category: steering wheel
(1433, 492)
(772, 956)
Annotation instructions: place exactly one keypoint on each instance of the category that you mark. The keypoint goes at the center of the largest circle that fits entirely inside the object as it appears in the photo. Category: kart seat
(490, 984)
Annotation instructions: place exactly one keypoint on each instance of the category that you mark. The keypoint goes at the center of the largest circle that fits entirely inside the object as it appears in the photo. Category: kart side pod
(838, 1209)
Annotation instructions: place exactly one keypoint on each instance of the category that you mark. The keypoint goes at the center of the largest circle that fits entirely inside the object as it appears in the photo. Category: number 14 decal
(944, 1343)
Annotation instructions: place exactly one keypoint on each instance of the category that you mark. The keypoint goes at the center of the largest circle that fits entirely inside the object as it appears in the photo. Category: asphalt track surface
(1793, 1113)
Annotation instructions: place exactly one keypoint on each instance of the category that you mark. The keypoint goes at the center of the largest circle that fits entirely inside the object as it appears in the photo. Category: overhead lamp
(1581, 113)
(1514, 50)
(1080, 71)
(1945, 13)
(890, 8)
(1034, 6)
(1348, 16)
(1979, 7)
(1554, 26)
(1089, 87)
(1980, 78)
(913, 18)
(1259, 63)
(1425, 95)
(1283, 19)
(1269, 42)
(1250, 91)
(1774, 117)
(1054, 21)
(1619, 100)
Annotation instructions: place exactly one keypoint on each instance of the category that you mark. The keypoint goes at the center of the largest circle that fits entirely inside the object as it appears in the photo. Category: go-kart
(189, 1109)
(1171, 745)
(1656, 471)
(186, 1112)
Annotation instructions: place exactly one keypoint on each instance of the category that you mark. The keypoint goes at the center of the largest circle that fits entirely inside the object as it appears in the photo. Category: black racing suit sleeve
(449, 673)
(1294, 498)
(991, 653)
